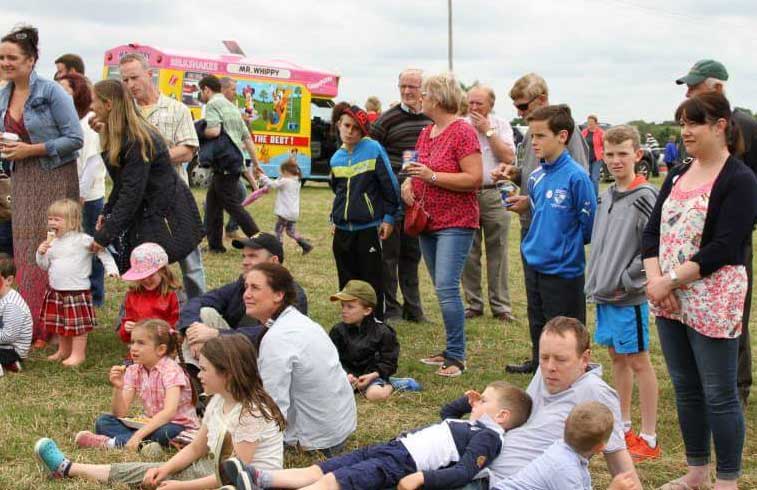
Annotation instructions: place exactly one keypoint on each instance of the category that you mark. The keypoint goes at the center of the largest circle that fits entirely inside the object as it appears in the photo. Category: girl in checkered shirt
(158, 381)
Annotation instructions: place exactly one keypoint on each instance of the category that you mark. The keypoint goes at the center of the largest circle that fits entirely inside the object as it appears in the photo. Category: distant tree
(518, 121)
(468, 87)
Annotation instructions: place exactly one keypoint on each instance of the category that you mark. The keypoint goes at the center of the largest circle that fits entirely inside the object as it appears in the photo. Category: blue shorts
(624, 328)
(372, 467)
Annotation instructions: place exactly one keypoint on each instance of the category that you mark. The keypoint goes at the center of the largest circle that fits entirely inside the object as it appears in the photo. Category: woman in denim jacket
(42, 114)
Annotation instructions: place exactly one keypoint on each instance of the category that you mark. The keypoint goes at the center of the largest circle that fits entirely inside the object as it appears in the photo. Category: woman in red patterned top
(445, 179)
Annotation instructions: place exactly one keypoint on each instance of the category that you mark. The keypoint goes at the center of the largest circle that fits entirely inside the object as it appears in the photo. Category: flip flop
(449, 363)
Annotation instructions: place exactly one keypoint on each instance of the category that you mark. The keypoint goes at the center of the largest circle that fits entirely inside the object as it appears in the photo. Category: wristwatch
(674, 278)
(433, 178)
(490, 132)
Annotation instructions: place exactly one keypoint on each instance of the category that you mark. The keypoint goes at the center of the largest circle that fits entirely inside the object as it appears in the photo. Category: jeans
(594, 168)
(193, 274)
(108, 425)
(445, 252)
(703, 372)
(90, 211)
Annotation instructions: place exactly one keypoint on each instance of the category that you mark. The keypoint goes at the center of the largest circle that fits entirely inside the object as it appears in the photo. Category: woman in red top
(445, 179)
(153, 294)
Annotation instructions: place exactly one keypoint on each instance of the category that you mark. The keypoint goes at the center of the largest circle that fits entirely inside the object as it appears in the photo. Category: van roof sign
(321, 83)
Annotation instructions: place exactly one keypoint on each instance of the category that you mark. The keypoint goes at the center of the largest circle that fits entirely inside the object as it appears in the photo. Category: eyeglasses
(524, 106)
(20, 36)
(408, 87)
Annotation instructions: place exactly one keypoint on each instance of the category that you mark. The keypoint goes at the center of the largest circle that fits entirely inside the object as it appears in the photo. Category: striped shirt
(220, 112)
(174, 121)
(15, 323)
(397, 130)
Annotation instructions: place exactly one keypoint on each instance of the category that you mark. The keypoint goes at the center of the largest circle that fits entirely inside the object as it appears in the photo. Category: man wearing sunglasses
(529, 93)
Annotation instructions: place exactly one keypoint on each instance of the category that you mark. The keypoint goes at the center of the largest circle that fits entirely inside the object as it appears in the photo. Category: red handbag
(416, 218)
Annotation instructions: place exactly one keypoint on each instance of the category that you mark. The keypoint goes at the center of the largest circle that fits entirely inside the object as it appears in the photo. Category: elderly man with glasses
(397, 130)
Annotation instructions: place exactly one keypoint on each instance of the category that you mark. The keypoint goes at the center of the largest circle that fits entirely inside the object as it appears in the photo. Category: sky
(614, 58)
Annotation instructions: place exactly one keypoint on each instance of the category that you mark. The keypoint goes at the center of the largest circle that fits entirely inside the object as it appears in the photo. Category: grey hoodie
(615, 273)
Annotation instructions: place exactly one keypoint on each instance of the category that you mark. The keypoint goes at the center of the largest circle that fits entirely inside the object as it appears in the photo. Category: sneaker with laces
(631, 438)
(54, 461)
(640, 451)
(87, 439)
(234, 472)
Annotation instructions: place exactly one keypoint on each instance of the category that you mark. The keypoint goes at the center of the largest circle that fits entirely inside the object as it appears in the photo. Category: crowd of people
(235, 375)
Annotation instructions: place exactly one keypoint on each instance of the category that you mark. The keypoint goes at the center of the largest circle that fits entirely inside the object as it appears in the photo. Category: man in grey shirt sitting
(564, 379)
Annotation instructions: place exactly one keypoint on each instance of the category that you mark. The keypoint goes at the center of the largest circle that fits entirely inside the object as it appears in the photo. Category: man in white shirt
(496, 139)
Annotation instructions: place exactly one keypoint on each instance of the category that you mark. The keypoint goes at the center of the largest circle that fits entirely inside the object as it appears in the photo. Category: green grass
(47, 400)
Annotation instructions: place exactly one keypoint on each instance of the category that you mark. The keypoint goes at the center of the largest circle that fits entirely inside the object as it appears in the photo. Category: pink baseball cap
(145, 260)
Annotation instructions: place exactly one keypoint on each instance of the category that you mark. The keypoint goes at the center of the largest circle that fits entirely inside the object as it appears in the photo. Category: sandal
(451, 368)
(679, 484)
(434, 360)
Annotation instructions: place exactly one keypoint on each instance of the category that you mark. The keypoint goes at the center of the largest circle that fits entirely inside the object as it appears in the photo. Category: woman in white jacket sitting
(299, 364)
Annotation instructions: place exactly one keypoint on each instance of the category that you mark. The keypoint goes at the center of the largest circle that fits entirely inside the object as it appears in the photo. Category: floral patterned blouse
(713, 305)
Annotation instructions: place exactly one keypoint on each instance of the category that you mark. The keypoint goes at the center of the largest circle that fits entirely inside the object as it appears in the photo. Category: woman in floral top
(445, 178)
(694, 255)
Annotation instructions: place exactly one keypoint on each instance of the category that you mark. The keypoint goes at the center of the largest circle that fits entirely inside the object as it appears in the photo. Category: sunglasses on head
(524, 106)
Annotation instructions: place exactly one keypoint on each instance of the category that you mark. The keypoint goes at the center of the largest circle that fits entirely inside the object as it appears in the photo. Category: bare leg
(378, 393)
(297, 477)
(97, 472)
(647, 381)
(64, 349)
(328, 482)
(78, 350)
(623, 380)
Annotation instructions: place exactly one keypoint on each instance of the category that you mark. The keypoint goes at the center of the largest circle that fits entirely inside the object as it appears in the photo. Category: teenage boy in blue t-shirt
(562, 202)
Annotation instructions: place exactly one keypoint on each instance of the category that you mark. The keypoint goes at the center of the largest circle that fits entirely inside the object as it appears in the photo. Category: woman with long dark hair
(48, 137)
(694, 250)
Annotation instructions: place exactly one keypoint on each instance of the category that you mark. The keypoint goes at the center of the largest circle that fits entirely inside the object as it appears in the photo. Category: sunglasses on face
(524, 106)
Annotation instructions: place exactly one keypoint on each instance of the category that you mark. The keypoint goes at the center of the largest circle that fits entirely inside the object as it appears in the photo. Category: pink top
(713, 305)
(151, 387)
(442, 153)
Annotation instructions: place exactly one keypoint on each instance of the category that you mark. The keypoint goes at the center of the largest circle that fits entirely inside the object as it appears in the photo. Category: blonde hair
(373, 103)
(168, 282)
(125, 121)
(445, 91)
(588, 426)
(514, 399)
(69, 210)
(487, 90)
(616, 135)
(528, 87)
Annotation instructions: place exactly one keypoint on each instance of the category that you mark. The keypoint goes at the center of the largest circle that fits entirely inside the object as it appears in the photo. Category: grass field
(47, 400)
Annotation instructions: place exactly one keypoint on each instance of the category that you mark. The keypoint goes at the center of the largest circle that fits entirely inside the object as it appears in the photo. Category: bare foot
(73, 362)
(58, 356)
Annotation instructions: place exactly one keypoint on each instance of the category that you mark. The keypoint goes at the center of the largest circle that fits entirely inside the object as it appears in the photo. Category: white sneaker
(1, 371)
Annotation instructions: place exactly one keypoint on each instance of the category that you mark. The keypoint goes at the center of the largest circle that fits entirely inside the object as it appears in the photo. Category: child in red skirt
(67, 309)
(153, 292)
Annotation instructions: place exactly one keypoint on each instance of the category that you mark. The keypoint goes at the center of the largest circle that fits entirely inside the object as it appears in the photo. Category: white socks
(650, 440)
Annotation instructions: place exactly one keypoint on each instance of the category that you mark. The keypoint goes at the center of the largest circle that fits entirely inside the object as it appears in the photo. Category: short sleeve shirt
(220, 112)
(174, 121)
(442, 154)
(269, 453)
(504, 131)
(151, 387)
(547, 421)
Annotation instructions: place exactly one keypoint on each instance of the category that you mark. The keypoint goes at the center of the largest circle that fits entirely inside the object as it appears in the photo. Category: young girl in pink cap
(153, 290)
(66, 255)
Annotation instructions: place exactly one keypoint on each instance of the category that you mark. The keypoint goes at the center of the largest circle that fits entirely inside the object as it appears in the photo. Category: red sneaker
(14, 367)
(631, 438)
(641, 451)
(86, 438)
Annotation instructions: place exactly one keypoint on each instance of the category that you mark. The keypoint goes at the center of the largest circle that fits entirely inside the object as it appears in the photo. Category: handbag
(416, 218)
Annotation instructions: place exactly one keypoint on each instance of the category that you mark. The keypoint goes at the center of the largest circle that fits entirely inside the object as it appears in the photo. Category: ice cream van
(286, 105)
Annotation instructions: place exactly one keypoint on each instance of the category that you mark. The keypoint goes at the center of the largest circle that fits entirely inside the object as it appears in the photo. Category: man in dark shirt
(397, 130)
(222, 311)
(711, 76)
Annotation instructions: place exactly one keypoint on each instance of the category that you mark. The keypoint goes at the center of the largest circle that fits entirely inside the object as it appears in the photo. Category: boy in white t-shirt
(15, 320)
